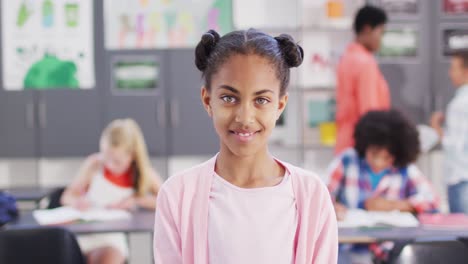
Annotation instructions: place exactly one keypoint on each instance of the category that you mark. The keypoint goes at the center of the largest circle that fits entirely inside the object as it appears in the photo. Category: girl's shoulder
(305, 180)
(310, 190)
(190, 178)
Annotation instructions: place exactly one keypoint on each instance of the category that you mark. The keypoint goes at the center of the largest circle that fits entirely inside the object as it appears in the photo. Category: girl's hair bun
(204, 48)
(293, 53)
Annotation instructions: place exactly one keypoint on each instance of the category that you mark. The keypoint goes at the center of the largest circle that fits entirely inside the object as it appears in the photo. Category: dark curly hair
(390, 130)
(212, 51)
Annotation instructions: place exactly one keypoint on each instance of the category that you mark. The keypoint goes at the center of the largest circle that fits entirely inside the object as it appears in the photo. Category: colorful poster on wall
(455, 7)
(146, 24)
(47, 44)
(398, 7)
(135, 75)
(399, 43)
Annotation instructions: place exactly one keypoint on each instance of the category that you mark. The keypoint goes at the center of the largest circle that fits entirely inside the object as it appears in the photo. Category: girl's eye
(228, 99)
(262, 101)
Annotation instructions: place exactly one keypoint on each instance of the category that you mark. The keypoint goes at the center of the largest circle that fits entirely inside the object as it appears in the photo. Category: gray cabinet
(148, 108)
(192, 131)
(409, 77)
(69, 122)
(18, 136)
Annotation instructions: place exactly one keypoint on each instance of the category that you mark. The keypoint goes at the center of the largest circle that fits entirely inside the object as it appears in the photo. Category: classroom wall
(418, 87)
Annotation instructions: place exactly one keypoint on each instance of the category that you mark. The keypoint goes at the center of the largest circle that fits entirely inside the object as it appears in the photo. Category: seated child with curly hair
(378, 174)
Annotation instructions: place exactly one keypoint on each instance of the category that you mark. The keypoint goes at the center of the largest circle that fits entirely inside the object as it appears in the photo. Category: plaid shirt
(455, 141)
(350, 184)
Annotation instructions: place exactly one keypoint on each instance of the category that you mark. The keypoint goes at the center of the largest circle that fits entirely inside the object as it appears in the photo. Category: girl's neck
(259, 170)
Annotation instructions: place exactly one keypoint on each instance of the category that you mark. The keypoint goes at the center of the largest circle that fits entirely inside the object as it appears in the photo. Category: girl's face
(244, 103)
(117, 160)
(379, 158)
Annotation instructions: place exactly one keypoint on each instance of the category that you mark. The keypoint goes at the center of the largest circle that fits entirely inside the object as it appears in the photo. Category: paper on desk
(362, 218)
(66, 214)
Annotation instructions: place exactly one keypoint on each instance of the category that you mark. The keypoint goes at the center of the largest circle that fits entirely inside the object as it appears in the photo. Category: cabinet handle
(161, 114)
(175, 113)
(42, 115)
(29, 115)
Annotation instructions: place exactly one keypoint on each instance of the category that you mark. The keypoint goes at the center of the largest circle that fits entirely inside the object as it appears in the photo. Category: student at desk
(378, 174)
(119, 176)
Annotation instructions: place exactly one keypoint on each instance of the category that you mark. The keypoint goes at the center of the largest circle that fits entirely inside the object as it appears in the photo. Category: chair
(52, 200)
(51, 245)
(433, 252)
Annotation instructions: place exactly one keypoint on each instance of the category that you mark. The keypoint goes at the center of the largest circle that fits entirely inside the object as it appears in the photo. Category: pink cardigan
(181, 223)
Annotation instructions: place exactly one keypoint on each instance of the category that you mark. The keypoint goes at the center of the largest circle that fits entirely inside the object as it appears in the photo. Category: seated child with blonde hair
(119, 176)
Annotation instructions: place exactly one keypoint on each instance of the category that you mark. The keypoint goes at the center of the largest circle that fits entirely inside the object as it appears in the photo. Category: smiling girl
(243, 205)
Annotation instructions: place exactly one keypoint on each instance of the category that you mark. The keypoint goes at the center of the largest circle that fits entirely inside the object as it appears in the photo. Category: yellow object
(327, 133)
(335, 9)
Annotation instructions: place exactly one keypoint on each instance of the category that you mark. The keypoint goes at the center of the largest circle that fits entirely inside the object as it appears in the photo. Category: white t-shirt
(255, 225)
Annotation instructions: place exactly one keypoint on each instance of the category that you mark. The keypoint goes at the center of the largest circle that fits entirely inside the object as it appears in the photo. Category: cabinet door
(192, 131)
(17, 124)
(147, 106)
(69, 122)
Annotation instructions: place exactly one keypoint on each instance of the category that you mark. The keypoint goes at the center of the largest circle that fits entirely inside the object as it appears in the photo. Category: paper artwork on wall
(318, 67)
(47, 44)
(149, 24)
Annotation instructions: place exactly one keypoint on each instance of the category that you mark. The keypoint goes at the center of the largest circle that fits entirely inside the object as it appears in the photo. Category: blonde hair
(126, 133)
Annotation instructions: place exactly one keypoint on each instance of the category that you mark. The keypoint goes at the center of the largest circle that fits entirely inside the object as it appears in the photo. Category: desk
(141, 221)
(30, 193)
(368, 235)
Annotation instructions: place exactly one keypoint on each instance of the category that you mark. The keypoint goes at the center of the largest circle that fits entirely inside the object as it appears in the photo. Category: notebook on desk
(65, 214)
(355, 218)
(444, 221)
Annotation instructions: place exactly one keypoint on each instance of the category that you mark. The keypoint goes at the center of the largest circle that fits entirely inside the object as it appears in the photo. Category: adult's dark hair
(213, 51)
(369, 15)
(390, 130)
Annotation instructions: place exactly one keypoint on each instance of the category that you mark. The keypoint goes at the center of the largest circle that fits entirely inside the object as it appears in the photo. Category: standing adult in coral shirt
(360, 84)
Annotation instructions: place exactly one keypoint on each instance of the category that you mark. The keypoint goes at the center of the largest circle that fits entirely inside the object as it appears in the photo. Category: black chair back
(51, 245)
(52, 200)
(433, 252)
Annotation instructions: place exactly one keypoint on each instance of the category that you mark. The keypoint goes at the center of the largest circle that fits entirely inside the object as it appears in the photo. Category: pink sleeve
(167, 246)
(326, 250)
(367, 90)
